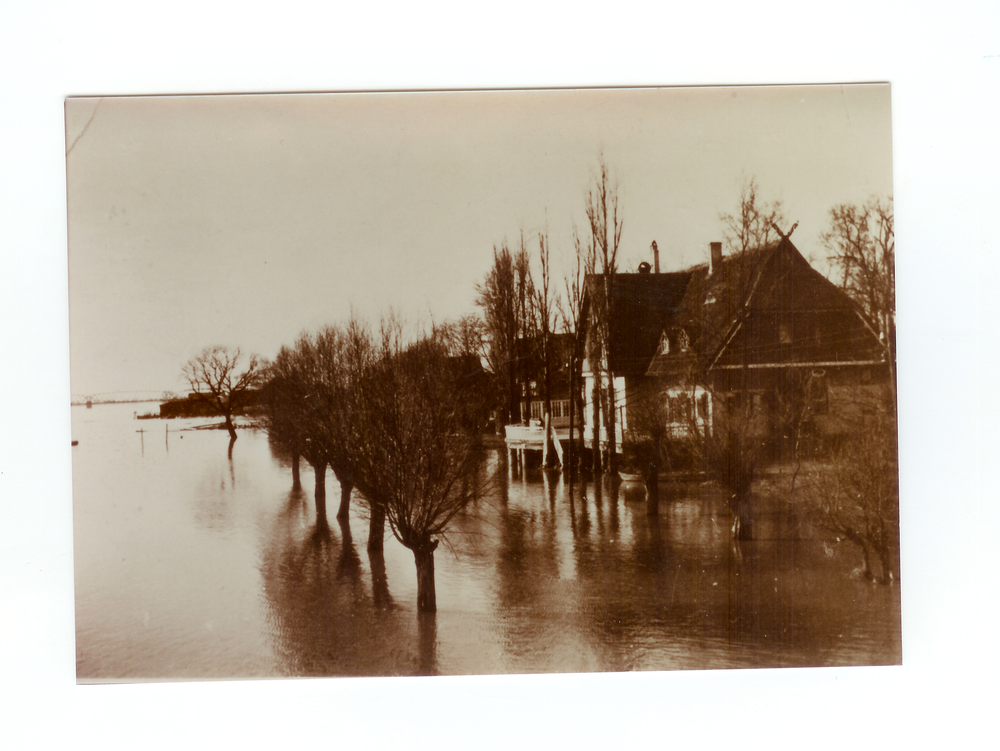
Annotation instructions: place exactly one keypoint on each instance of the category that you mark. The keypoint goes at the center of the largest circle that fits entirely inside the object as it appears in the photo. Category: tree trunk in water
(380, 581)
(231, 428)
(427, 636)
(652, 492)
(612, 436)
(570, 453)
(596, 436)
(346, 486)
(742, 518)
(513, 398)
(376, 532)
(296, 479)
(320, 493)
(423, 557)
(547, 416)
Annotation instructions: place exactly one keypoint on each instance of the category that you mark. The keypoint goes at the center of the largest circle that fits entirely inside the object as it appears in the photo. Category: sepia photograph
(439, 383)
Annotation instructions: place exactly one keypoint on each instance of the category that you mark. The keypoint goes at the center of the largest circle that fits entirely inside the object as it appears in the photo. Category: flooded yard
(192, 565)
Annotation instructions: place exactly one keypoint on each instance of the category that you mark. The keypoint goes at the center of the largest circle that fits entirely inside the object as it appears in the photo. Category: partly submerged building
(760, 330)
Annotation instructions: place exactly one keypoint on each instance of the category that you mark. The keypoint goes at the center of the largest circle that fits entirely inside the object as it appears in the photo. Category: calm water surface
(189, 565)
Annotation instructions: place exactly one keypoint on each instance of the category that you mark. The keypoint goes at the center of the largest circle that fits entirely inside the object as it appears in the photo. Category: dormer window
(683, 342)
(664, 348)
(674, 340)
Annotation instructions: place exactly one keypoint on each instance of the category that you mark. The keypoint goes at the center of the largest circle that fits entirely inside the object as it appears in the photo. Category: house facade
(636, 307)
(760, 332)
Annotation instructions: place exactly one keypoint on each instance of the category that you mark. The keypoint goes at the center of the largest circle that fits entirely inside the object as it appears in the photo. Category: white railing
(524, 433)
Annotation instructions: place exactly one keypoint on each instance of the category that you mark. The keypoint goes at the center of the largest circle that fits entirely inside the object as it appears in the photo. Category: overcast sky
(245, 220)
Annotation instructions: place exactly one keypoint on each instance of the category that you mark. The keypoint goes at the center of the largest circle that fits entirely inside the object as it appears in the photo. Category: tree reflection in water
(556, 576)
(322, 617)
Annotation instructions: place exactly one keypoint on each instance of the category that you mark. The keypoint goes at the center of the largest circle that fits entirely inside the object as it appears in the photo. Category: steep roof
(732, 314)
(641, 305)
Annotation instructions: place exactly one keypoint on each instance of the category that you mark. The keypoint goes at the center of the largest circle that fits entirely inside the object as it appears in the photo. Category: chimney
(716, 256)
(656, 258)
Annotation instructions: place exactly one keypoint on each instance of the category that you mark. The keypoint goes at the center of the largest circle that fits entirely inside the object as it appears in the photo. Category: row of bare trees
(393, 417)
(522, 308)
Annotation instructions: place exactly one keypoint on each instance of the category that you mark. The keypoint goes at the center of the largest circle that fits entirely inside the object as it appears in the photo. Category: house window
(679, 408)
(675, 339)
(784, 333)
(818, 393)
(560, 408)
(703, 406)
(733, 401)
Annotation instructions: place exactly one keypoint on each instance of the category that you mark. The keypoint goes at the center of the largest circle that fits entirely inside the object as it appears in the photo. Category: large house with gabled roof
(761, 329)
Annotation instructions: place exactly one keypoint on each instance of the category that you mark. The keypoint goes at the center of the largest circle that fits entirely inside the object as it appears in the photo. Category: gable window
(664, 348)
(674, 340)
(683, 341)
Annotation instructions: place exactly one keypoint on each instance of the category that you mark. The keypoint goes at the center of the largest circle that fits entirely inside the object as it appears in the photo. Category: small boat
(629, 477)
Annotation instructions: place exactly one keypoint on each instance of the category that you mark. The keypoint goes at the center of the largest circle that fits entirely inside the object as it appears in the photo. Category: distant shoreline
(116, 401)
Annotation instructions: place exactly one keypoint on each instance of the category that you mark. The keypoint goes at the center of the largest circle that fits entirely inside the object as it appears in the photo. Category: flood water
(192, 565)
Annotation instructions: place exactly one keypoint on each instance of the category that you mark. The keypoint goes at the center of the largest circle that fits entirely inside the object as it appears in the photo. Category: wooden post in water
(545, 444)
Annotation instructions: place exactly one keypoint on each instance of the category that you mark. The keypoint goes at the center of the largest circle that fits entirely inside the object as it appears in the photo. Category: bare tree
(527, 324)
(545, 307)
(308, 403)
(753, 225)
(730, 451)
(344, 354)
(644, 444)
(856, 497)
(572, 317)
(313, 408)
(223, 378)
(605, 238)
(284, 403)
(497, 296)
(416, 459)
(504, 296)
(463, 338)
(861, 241)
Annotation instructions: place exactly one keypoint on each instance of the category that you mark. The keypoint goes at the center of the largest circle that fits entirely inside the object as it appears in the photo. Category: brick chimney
(716, 256)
